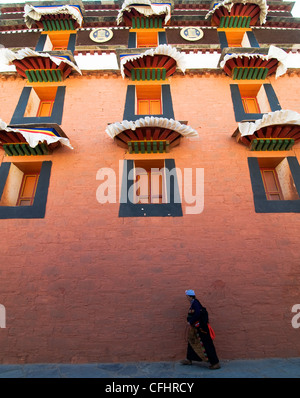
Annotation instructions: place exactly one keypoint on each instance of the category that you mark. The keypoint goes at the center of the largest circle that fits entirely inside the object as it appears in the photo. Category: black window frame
(57, 110)
(239, 111)
(38, 208)
(162, 39)
(261, 203)
(251, 37)
(43, 37)
(130, 209)
(130, 103)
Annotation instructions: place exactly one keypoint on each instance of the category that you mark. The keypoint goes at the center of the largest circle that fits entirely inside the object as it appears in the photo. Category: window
(21, 184)
(149, 107)
(149, 180)
(42, 104)
(235, 37)
(275, 184)
(56, 41)
(27, 190)
(45, 108)
(150, 189)
(254, 98)
(271, 184)
(251, 100)
(153, 98)
(24, 189)
(250, 105)
(148, 100)
(146, 39)
(277, 178)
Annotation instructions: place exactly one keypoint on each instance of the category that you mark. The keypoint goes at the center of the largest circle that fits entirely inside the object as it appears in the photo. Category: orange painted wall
(83, 285)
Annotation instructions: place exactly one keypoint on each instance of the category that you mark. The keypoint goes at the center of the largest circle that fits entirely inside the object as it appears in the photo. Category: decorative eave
(149, 134)
(253, 64)
(40, 66)
(276, 131)
(136, 8)
(61, 17)
(31, 139)
(164, 57)
(234, 12)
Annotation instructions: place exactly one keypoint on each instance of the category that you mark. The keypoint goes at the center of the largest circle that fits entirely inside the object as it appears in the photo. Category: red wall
(83, 285)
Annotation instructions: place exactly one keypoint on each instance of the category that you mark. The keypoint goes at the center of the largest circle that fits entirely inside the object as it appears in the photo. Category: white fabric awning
(145, 7)
(34, 136)
(274, 52)
(150, 121)
(162, 49)
(228, 4)
(270, 119)
(33, 14)
(8, 56)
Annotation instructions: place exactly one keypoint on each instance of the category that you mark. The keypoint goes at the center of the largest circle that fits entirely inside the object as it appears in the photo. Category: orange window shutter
(28, 188)
(147, 39)
(155, 107)
(45, 108)
(143, 107)
(271, 183)
(250, 105)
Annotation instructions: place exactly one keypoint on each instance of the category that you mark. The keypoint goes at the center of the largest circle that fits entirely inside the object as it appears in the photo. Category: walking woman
(200, 344)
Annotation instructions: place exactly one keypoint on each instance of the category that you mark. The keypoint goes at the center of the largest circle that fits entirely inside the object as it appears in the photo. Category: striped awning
(238, 65)
(26, 60)
(35, 14)
(164, 56)
(147, 130)
(239, 8)
(146, 8)
(19, 138)
(278, 130)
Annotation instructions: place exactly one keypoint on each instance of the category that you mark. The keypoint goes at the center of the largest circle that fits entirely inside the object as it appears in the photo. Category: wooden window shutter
(155, 107)
(27, 190)
(271, 184)
(250, 105)
(143, 107)
(45, 108)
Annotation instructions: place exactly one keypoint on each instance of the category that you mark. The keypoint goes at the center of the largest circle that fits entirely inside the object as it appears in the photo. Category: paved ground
(262, 368)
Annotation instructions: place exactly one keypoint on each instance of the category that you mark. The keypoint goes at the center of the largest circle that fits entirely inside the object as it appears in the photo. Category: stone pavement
(261, 368)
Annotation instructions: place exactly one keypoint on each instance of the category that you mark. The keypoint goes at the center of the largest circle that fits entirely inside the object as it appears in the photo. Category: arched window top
(133, 8)
(164, 56)
(254, 9)
(61, 13)
(149, 134)
(277, 131)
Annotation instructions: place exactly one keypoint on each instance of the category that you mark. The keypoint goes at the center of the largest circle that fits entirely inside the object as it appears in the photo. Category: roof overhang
(132, 8)
(55, 17)
(243, 62)
(275, 131)
(40, 66)
(255, 9)
(149, 134)
(162, 57)
(31, 139)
